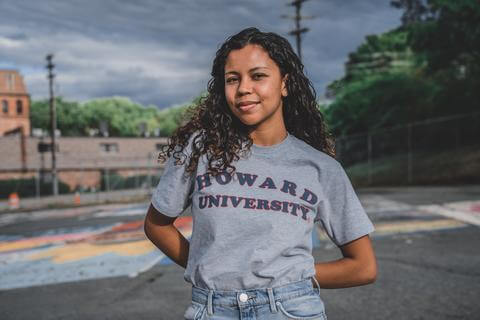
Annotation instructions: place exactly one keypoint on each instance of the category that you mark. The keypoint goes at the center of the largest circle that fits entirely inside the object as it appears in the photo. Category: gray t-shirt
(253, 229)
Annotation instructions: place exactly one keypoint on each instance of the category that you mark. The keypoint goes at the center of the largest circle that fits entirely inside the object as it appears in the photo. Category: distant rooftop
(11, 82)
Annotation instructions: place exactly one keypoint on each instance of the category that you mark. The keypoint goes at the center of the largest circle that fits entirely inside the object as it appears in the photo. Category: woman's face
(254, 87)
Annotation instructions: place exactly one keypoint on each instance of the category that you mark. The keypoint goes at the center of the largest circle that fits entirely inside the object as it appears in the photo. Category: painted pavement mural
(73, 254)
(122, 249)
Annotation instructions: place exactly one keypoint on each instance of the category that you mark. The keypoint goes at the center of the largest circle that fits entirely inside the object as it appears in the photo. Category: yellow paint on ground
(409, 226)
(19, 245)
(78, 251)
(31, 243)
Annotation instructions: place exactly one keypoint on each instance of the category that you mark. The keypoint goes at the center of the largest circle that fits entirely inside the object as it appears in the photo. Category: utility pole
(297, 32)
(53, 123)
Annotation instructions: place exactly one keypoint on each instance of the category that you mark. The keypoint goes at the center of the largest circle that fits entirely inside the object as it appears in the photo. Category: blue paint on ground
(44, 272)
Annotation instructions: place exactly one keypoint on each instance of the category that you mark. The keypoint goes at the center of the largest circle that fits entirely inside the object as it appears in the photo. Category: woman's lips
(248, 106)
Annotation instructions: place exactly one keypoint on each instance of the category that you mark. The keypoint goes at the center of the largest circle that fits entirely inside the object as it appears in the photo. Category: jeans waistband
(211, 297)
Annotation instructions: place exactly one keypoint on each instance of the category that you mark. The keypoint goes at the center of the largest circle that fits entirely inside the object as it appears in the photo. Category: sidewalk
(425, 195)
(68, 200)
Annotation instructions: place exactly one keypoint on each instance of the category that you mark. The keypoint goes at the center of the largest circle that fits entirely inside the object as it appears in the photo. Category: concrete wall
(81, 160)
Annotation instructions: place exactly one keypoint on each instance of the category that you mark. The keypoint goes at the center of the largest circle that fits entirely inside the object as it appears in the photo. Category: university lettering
(248, 180)
(219, 201)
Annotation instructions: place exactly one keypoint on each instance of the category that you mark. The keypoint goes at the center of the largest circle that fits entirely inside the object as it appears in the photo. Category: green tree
(122, 116)
(450, 37)
(429, 67)
(414, 10)
(382, 100)
(449, 40)
(174, 116)
(170, 118)
(378, 54)
(380, 88)
(70, 119)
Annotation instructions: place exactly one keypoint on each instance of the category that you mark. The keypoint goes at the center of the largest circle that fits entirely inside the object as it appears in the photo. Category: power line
(53, 123)
(298, 31)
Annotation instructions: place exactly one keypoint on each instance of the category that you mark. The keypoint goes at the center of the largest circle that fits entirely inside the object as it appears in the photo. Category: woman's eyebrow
(251, 70)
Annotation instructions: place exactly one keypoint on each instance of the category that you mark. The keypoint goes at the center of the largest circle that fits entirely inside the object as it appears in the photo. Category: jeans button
(243, 297)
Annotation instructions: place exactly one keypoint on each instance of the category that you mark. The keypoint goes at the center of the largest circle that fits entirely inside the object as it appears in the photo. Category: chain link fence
(89, 176)
(435, 151)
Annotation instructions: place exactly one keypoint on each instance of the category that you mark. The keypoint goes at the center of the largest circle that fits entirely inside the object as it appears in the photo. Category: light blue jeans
(297, 300)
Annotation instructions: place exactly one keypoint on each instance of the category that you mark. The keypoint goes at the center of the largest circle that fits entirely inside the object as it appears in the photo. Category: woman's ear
(284, 86)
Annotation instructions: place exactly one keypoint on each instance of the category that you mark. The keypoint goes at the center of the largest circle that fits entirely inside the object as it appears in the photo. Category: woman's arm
(357, 267)
(165, 236)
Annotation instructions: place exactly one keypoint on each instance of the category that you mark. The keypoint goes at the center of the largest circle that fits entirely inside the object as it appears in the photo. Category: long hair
(221, 135)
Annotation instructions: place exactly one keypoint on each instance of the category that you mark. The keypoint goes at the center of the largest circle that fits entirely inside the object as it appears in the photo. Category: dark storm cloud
(160, 52)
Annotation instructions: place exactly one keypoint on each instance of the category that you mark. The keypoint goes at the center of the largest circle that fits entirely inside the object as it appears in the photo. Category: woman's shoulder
(187, 148)
(310, 153)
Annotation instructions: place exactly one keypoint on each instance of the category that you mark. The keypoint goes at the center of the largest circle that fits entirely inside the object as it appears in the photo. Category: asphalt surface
(423, 275)
(426, 273)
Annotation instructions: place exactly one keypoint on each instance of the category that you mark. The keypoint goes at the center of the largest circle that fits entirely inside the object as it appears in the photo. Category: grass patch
(451, 167)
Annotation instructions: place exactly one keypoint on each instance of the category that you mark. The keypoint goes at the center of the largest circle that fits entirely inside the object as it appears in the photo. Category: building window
(5, 106)
(19, 107)
(10, 80)
(109, 147)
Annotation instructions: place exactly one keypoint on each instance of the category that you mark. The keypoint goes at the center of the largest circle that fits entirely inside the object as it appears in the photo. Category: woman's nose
(244, 87)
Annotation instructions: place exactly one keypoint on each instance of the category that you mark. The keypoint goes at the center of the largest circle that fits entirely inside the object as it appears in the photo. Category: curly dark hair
(221, 135)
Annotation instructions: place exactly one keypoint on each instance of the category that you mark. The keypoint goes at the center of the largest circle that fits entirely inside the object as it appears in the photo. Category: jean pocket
(194, 311)
(305, 307)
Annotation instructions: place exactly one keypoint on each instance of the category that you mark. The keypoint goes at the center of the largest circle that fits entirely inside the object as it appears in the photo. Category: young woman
(256, 164)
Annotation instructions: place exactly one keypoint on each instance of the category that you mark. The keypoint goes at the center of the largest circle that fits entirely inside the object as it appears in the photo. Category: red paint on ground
(475, 207)
(183, 222)
(128, 226)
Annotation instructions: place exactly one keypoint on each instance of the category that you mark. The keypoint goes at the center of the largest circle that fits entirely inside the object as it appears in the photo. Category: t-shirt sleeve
(340, 211)
(173, 193)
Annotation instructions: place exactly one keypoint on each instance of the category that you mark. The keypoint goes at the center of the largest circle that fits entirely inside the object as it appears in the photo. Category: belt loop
(209, 303)
(273, 307)
(318, 285)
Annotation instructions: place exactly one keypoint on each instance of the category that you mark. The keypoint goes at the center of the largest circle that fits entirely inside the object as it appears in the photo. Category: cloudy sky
(160, 52)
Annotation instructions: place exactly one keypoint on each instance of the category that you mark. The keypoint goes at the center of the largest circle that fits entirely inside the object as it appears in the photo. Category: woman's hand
(357, 267)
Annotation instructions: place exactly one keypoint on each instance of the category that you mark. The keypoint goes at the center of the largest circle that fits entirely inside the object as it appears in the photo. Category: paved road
(94, 263)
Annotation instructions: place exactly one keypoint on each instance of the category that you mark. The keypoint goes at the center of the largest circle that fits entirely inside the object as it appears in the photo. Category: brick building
(14, 103)
(81, 161)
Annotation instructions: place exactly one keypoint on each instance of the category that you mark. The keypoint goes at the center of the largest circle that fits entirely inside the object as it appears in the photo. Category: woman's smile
(247, 106)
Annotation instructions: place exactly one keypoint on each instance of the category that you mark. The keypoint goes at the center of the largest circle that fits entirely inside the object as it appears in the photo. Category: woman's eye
(229, 80)
(258, 75)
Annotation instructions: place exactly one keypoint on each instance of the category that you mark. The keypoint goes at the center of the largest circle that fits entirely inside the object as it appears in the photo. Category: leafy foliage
(394, 40)
(439, 48)
(414, 10)
(122, 116)
(381, 100)
(451, 37)
(171, 118)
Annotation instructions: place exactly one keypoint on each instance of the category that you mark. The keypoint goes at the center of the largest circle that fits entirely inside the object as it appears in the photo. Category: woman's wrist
(342, 273)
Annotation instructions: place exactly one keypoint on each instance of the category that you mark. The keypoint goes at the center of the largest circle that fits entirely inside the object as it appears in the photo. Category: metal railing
(423, 152)
(88, 176)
